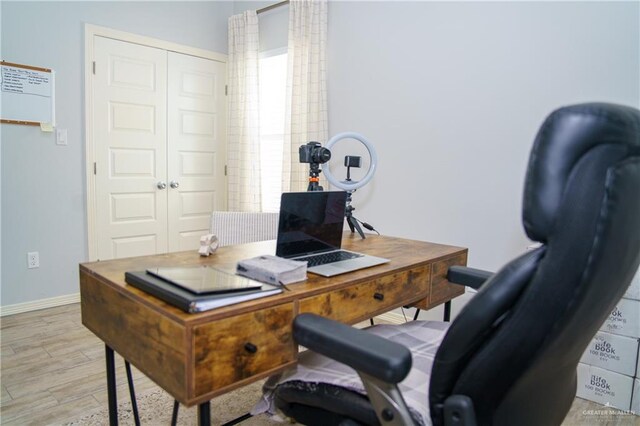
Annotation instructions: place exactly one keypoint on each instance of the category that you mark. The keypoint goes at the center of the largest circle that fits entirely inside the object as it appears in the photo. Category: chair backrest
(515, 347)
(243, 227)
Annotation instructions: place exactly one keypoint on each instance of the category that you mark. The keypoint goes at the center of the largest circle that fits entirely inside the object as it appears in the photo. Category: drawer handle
(251, 348)
(378, 296)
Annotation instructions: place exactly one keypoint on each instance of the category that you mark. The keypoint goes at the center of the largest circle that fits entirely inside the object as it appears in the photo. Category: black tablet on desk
(189, 301)
(204, 279)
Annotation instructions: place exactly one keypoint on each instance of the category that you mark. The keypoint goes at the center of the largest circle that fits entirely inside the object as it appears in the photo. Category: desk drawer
(441, 289)
(235, 348)
(361, 301)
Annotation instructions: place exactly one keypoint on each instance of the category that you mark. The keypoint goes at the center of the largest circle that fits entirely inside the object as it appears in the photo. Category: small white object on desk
(273, 270)
(208, 244)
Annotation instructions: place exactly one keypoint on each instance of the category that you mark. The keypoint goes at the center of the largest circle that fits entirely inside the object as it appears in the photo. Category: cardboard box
(635, 402)
(604, 387)
(612, 352)
(633, 292)
(624, 319)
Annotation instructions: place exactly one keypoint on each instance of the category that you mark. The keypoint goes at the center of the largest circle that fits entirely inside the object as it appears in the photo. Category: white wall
(43, 185)
(273, 24)
(451, 94)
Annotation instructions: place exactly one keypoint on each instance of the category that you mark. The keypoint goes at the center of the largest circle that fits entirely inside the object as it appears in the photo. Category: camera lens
(321, 155)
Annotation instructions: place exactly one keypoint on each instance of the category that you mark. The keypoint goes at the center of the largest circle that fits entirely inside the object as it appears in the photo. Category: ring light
(352, 186)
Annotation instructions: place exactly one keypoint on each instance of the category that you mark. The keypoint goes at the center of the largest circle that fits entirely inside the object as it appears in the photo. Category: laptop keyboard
(324, 258)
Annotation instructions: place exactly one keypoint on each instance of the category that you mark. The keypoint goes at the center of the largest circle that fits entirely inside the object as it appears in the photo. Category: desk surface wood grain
(198, 356)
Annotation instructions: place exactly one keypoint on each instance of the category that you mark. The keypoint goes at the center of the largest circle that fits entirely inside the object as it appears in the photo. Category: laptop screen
(310, 222)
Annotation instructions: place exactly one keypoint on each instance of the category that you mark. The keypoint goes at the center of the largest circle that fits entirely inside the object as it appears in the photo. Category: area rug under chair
(155, 408)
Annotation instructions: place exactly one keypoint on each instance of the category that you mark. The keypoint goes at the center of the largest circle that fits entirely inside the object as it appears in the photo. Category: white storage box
(612, 352)
(624, 319)
(633, 292)
(604, 387)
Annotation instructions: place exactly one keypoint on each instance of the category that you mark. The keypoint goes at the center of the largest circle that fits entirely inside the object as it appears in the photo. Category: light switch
(61, 136)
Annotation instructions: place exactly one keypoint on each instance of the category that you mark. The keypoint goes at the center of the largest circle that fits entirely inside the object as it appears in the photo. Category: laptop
(310, 229)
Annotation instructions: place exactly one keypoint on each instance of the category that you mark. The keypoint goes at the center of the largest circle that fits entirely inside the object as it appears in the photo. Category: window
(273, 82)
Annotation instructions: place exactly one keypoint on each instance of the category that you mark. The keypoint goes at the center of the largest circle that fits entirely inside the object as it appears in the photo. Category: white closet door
(129, 122)
(196, 147)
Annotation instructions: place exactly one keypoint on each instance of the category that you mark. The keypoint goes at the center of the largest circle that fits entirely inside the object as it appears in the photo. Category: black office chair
(510, 356)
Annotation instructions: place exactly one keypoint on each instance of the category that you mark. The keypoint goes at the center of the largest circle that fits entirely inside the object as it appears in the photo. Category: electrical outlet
(33, 260)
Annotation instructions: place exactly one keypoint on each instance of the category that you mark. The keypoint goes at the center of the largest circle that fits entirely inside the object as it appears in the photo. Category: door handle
(174, 184)
(161, 185)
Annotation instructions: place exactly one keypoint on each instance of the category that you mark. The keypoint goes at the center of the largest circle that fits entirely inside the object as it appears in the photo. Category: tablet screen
(204, 279)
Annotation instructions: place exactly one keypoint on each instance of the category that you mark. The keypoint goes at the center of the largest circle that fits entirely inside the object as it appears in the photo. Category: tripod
(351, 220)
(314, 177)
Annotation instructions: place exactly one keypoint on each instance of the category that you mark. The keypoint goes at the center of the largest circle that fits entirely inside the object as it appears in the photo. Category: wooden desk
(196, 357)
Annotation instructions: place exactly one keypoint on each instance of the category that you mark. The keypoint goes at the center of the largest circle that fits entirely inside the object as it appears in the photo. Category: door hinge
(95, 169)
(94, 67)
(225, 169)
(226, 90)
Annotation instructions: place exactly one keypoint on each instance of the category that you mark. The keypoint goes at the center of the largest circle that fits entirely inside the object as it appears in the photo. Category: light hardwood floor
(53, 368)
(52, 371)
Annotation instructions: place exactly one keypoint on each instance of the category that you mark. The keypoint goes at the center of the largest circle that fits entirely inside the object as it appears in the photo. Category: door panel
(157, 117)
(196, 142)
(129, 116)
(132, 246)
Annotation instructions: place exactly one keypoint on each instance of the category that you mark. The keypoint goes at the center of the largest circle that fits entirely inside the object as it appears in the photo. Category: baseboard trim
(36, 305)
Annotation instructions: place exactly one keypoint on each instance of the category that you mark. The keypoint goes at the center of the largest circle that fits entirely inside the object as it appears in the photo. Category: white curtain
(243, 156)
(306, 108)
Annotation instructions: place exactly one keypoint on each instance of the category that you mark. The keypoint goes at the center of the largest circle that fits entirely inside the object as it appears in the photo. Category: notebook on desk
(189, 301)
(310, 229)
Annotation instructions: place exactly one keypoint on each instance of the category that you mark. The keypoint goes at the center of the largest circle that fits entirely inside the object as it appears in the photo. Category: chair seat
(321, 382)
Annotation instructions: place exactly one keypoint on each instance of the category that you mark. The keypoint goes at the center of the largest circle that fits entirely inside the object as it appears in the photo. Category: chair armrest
(469, 277)
(360, 350)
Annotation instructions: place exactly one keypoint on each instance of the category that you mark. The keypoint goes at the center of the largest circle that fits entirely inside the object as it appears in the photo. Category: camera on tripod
(313, 152)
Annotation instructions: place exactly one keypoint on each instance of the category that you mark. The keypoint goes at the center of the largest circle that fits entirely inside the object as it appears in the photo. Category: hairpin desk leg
(174, 415)
(238, 419)
(111, 386)
(204, 414)
(447, 311)
(132, 394)
(446, 316)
